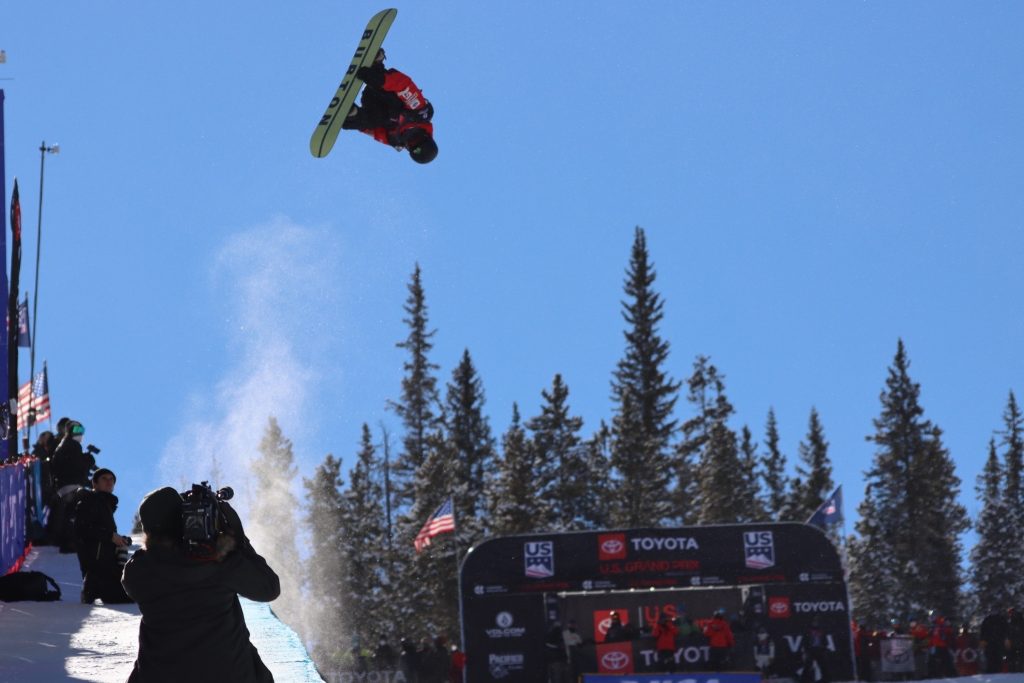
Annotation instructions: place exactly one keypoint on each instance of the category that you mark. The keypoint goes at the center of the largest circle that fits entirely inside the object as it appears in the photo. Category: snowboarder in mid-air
(394, 111)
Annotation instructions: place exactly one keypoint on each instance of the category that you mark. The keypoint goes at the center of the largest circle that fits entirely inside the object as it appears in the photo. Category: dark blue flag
(830, 512)
(24, 335)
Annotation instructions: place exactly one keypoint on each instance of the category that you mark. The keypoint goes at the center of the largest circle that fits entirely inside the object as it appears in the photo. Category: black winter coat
(71, 465)
(94, 526)
(192, 624)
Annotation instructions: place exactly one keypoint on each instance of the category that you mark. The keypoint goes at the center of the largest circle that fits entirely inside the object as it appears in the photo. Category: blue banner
(702, 677)
(5, 390)
(12, 515)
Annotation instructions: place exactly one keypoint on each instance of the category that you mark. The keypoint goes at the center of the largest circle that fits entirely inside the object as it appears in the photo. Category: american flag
(35, 396)
(442, 521)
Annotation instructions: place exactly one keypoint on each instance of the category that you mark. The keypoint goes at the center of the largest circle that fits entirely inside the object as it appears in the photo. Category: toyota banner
(783, 578)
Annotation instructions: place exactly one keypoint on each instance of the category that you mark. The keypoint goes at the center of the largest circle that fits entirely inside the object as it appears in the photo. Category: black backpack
(28, 586)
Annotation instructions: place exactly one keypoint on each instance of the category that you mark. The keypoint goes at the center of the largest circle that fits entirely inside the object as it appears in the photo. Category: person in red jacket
(394, 111)
(720, 640)
(940, 659)
(665, 633)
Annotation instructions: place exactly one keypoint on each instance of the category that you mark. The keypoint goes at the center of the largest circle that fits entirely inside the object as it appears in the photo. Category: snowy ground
(43, 642)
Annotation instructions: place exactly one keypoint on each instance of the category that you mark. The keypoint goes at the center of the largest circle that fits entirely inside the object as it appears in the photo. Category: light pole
(43, 151)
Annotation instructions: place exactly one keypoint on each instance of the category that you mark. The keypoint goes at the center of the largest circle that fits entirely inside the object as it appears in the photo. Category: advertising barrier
(12, 516)
(676, 678)
(518, 592)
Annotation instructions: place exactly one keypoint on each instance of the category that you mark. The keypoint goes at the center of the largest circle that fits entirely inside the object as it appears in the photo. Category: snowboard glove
(423, 114)
(372, 76)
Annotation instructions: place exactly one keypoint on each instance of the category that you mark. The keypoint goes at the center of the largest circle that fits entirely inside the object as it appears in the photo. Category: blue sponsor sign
(674, 678)
(12, 515)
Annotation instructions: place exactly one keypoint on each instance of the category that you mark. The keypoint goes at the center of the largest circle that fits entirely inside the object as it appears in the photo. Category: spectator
(940, 660)
(616, 632)
(433, 663)
(764, 653)
(665, 633)
(70, 471)
(720, 641)
(72, 465)
(1014, 640)
(97, 541)
(409, 660)
(921, 635)
(43, 452)
(384, 655)
(967, 654)
(192, 626)
(573, 650)
(809, 671)
(457, 665)
(815, 644)
(555, 654)
(860, 650)
(993, 642)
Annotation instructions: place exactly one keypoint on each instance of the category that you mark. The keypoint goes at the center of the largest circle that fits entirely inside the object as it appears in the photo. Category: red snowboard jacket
(406, 102)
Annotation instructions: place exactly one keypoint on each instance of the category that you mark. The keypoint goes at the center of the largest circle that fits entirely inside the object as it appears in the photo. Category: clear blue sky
(816, 180)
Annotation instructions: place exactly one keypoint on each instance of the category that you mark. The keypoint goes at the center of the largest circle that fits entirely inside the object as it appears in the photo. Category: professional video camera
(202, 519)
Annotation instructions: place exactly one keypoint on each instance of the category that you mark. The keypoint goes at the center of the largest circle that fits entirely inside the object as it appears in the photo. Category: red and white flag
(34, 401)
(442, 521)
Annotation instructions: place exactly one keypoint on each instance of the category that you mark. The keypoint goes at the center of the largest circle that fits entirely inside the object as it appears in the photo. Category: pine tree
(721, 478)
(814, 472)
(418, 474)
(644, 397)
(874, 577)
(697, 456)
(326, 566)
(515, 507)
(748, 498)
(1012, 441)
(428, 580)
(471, 448)
(592, 507)
(994, 564)
(272, 526)
(418, 406)
(773, 471)
(561, 462)
(365, 543)
(910, 523)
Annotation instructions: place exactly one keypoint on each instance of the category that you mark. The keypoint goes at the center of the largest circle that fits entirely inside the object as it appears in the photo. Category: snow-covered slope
(44, 642)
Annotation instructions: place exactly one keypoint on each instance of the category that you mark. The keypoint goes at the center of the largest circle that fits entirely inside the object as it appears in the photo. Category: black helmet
(421, 146)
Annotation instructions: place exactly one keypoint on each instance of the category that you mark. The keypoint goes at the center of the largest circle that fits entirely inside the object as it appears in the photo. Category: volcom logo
(505, 627)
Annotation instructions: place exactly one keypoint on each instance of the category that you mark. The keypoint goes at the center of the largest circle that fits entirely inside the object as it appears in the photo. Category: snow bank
(43, 642)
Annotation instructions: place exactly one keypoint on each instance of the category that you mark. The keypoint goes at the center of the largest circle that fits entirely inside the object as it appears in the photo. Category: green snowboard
(327, 130)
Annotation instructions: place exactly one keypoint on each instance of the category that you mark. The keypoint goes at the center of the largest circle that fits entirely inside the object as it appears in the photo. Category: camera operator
(192, 624)
(97, 541)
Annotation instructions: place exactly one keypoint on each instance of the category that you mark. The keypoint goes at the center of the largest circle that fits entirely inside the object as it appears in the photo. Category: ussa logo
(540, 559)
(758, 549)
(611, 546)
